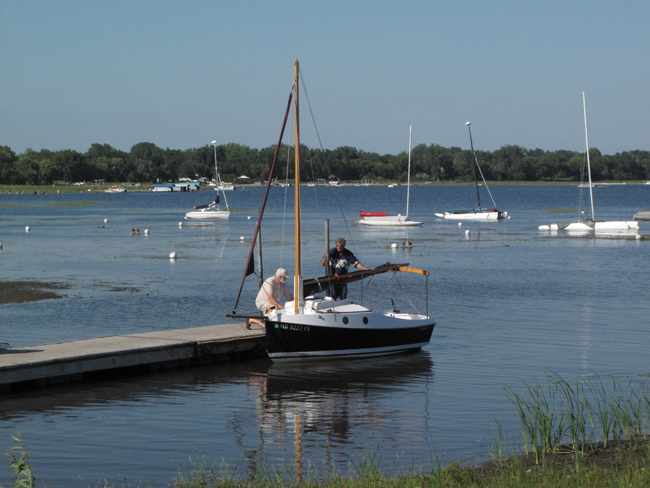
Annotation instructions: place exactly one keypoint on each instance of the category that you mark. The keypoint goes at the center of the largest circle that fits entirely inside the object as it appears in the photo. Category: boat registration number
(297, 328)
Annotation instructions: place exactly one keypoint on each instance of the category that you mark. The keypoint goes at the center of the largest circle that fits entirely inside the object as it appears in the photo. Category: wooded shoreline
(146, 162)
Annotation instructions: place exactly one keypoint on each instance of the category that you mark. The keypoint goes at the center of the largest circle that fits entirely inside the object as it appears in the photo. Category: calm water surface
(511, 302)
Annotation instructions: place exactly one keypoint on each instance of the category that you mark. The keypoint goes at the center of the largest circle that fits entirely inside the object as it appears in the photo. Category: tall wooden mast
(298, 271)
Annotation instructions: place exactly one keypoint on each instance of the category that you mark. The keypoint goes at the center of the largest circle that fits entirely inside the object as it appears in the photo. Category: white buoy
(242, 238)
(467, 233)
(249, 217)
(638, 238)
(105, 221)
(393, 245)
(180, 224)
(172, 255)
(146, 232)
(460, 224)
(27, 228)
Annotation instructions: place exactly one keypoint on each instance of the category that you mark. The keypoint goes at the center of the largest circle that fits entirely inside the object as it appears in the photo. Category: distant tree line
(146, 162)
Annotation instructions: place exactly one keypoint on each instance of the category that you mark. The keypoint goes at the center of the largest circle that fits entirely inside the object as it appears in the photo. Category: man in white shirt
(268, 298)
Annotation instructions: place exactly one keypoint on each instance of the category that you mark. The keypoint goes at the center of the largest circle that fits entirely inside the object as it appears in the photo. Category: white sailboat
(211, 211)
(592, 224)
(479, 213)
(310, 327)
(384, 220)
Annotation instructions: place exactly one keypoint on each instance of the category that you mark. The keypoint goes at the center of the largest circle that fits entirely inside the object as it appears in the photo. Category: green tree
(9, 175)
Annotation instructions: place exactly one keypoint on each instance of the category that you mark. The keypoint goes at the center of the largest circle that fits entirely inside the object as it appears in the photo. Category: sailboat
(381, 218)
(310, 327)
(479, 213)
(211, 211)
(593, 224)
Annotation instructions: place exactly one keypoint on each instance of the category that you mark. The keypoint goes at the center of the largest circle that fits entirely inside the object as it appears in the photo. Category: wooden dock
(115, 356)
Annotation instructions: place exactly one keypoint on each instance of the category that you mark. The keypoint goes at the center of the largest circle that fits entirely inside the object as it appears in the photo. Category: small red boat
(372, 214)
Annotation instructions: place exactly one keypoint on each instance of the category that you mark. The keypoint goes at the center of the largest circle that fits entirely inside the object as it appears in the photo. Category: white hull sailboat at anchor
(384, 220)
(478, 213)
(591, 225)
(211, 211)
(310, 327)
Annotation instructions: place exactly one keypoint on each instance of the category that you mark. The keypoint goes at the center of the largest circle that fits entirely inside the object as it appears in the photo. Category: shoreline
(146, 188)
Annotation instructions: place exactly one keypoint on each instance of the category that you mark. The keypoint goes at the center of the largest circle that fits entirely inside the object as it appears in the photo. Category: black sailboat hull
(287, 341)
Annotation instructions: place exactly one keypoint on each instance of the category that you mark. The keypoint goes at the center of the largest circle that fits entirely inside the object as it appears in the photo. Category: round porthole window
(345, 320)
(365, 320)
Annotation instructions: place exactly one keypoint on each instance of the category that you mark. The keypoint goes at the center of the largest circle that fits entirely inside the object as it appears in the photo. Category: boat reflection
(325, 404)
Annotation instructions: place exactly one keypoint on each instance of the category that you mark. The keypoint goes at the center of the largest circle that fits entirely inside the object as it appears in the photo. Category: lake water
(511, 302)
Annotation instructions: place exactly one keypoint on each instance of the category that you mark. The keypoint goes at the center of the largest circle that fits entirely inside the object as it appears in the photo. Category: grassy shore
(620, 465)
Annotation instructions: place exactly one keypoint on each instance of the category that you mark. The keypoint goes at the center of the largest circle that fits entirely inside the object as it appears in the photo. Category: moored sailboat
(592, 224)
(478, 213)
(211, 211)
(312, 327)
(384, 220)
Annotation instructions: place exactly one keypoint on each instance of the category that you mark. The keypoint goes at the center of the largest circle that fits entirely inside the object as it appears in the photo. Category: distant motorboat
(223, 186)
(163, 187)
(115, 189)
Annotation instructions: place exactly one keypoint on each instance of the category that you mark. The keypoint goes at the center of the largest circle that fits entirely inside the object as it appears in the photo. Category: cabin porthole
(365, 320)
(345, 320)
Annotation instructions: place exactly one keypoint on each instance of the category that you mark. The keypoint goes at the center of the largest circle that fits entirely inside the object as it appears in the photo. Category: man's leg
(343, 293)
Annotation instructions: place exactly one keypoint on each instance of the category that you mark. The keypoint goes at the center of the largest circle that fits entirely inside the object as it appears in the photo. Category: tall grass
(561, 417)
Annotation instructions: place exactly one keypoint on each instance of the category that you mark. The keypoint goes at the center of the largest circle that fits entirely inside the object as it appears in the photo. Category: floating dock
(116, 356)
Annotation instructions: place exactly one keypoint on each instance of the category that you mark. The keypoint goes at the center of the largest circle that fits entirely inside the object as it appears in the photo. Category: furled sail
(316, 285)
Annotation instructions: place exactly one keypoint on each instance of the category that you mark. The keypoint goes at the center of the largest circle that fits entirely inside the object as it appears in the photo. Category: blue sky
(183, 73)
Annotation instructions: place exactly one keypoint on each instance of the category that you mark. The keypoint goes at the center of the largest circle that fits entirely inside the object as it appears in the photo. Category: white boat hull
(388, 221)
(207, 214)
(331, 329)
(496, 215)
(591, 227)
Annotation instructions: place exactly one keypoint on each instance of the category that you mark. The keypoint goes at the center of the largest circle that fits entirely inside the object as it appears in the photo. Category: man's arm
(324, 258)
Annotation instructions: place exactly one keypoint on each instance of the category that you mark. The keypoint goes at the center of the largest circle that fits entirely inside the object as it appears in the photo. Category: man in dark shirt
(340, 259)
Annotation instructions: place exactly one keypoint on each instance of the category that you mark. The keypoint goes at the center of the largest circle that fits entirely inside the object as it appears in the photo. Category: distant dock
(117, 356)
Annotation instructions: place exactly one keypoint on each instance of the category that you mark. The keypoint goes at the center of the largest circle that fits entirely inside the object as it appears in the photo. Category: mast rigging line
(320, 143)
(249, 263)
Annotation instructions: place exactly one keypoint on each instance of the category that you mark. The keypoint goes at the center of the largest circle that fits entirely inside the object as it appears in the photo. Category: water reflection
(324, 405)
(138, 389)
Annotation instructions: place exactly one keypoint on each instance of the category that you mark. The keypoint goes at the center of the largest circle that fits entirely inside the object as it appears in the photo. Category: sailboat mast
(591, 192)
(471, 144)
(408, 179)
(216, 176)
(297, 274)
